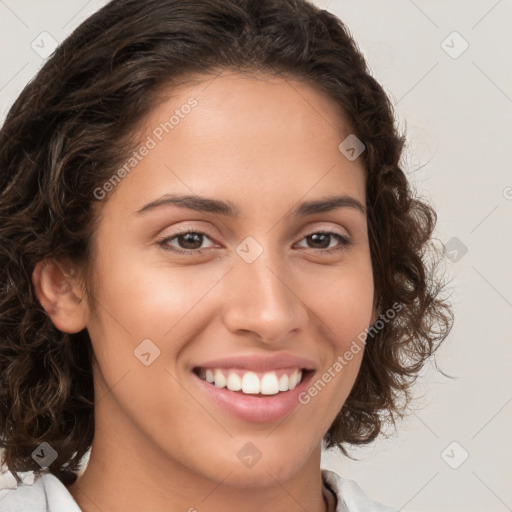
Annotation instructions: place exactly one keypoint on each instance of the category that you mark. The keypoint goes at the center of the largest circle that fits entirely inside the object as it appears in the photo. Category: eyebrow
(229, 209)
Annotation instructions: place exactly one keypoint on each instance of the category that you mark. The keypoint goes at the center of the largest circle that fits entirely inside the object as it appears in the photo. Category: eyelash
(345, 242)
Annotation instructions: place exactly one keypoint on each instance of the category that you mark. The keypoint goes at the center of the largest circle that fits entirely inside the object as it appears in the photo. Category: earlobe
(59, 294)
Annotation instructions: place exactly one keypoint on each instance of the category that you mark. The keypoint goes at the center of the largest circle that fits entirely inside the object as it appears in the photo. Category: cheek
(342, 298)
(148, 299)
(146, 309)
(344, 303)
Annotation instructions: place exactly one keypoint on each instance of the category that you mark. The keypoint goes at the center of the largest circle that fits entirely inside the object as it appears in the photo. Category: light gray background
(457, 114)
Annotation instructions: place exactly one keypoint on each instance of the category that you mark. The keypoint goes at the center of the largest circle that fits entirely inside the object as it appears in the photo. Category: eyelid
(326, 228)
(319, 227)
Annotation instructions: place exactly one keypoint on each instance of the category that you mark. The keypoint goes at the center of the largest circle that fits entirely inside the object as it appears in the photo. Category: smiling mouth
(247, 382)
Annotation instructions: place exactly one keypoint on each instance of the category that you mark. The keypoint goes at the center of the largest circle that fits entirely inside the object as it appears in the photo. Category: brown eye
(188, 242)
(322, 241)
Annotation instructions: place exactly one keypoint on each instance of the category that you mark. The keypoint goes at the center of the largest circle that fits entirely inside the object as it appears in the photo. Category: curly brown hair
(73, 125)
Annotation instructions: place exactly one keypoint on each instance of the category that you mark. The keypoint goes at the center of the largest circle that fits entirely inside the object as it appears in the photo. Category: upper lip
(260, 363)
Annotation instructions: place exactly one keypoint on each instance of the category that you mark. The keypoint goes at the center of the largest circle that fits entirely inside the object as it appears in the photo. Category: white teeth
(283, 382)
(269, 384)
(250, 382)
(234, 382)
(220, 380)
(294, 380)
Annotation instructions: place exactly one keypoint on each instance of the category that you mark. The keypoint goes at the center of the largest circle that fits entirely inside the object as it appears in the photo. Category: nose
(262, 299)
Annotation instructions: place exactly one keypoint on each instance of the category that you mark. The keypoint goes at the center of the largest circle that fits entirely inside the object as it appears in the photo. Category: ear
(60, 294)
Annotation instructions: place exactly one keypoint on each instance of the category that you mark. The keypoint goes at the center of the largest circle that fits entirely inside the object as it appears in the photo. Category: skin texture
(265, 144)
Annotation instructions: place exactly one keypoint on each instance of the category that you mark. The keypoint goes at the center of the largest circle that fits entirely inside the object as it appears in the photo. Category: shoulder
(351, 498)
(41, 492)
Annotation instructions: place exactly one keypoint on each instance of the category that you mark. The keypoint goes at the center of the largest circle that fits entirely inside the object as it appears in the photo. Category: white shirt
(46, 493)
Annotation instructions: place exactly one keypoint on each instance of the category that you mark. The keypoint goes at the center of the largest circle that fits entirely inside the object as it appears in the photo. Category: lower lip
(257, 409)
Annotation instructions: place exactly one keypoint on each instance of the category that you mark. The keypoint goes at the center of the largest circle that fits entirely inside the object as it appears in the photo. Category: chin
(278, 465)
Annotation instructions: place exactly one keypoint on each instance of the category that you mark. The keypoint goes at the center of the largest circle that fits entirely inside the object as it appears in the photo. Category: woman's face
(254, 292)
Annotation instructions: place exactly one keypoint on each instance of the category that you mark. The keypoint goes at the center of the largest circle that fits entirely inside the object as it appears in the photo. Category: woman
(211, 263)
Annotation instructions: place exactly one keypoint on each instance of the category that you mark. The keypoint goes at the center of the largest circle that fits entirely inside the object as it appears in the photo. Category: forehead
(257, 102)
(254, 137)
